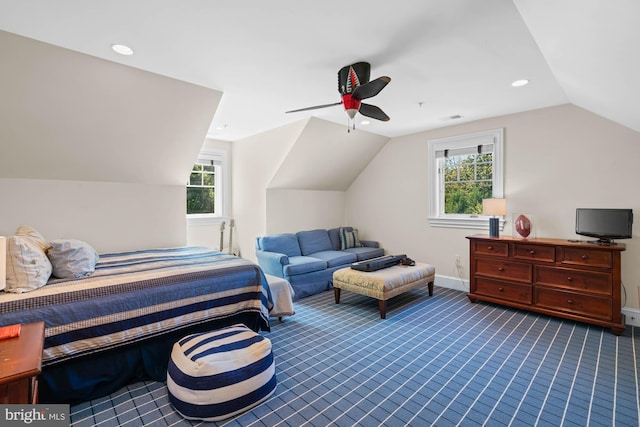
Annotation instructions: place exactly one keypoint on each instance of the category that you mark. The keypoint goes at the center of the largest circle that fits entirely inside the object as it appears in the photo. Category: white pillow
(36, 237)
(72, 259)
(28, 267)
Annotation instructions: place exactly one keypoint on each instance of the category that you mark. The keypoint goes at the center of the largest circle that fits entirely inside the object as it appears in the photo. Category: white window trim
(481, 222)
(222, 184)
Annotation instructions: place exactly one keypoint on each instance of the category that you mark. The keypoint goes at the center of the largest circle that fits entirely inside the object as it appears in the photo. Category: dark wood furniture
(570, 279)
(20, 364)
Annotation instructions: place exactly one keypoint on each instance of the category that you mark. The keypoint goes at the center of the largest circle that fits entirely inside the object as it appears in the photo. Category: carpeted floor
(436, 360)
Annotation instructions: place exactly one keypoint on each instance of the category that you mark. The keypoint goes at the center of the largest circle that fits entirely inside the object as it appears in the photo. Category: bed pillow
(349, 239)
(72, 259)
(34, 235)
(28, 267)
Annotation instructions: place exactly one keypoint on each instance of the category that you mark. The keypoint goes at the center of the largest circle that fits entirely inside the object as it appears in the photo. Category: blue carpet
(437, 360)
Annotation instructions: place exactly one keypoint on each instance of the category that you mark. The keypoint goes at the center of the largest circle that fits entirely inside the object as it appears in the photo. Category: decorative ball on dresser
(522, 224)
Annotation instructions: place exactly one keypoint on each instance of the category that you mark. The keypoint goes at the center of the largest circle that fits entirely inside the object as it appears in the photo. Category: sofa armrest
(272, 262)
(370, 243)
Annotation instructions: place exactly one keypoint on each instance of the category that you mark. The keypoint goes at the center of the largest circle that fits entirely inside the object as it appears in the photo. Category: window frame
(221, 188)
(436, 185)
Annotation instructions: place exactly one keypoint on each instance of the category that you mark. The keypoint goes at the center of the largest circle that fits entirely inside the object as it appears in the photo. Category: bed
(118, 325)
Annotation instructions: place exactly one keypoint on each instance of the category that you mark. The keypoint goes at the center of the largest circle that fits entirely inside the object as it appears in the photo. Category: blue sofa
(308, 259)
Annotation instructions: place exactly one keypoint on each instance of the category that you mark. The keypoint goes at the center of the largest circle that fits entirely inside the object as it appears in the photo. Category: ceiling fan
(354, 86)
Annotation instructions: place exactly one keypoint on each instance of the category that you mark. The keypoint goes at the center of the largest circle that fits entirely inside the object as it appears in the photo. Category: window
(205, 188)
(464, 170)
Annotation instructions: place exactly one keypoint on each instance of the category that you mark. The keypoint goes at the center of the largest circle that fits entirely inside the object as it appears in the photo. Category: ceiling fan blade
(373, 112)
(372, 88)
(315, 107)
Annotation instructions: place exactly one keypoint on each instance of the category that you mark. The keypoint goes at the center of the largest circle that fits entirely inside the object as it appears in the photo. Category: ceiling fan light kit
(354, 86)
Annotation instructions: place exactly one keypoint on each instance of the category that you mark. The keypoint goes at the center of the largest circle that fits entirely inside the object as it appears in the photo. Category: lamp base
(494, 227)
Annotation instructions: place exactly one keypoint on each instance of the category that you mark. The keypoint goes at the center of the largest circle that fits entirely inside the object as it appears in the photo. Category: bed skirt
(100, 374)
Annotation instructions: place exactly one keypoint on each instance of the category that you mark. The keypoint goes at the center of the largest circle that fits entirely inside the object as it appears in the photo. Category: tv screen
(604, 224)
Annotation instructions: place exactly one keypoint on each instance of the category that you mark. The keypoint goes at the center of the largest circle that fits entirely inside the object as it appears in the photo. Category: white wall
(556, 159)
(289, 211)
(255, 161)
(112, 217)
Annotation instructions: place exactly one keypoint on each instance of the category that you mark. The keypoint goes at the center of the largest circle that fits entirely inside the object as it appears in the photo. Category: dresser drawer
(507, 291)
(575, 303)
(579, 280)
(591, 257)
(492, 248)
(517, 271)
(534, 252)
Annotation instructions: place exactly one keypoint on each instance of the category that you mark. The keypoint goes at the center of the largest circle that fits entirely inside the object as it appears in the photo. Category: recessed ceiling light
(519, 83)
(122, 49)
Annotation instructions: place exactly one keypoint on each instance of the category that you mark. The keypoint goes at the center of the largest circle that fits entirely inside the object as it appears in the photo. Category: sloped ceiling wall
(590, 47)
(331, 157)
(70, 116)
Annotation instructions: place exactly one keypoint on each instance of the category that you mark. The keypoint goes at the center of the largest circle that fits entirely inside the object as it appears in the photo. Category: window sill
(204, 219)
(476, 223)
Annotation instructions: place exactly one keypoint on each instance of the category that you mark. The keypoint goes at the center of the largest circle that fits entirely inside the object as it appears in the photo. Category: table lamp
(494, 208)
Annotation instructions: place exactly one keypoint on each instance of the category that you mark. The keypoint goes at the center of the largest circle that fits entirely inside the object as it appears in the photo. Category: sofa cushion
(303, 264)
(313, 241)
(336, 258)
(349, 239)
(286, 243)
(365, 252)
(334, 236)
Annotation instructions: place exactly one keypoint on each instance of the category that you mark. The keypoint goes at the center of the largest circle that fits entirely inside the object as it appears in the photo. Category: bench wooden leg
(382, 303)
(430, 289)
(336, 294)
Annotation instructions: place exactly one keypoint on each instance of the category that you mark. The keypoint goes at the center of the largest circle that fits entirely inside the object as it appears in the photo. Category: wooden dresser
(574, 280)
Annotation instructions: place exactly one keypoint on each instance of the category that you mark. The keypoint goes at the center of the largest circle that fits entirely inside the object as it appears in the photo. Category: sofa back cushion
(313, 241)
(334, 235)
(286, 243)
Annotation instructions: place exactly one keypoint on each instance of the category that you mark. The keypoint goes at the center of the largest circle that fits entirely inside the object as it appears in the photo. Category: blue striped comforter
(138, 295)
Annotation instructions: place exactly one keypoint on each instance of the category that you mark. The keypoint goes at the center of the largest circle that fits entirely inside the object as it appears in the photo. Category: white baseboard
(631, 316)
(452, 283)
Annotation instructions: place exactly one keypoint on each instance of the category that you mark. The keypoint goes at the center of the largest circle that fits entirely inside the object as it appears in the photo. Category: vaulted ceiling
(446, 58)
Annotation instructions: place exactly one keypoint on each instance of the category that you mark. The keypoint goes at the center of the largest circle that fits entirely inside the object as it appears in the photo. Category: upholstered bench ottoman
(384, 284)
(219, 374)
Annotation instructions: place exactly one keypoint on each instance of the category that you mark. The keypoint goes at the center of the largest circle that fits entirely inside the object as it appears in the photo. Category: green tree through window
(467, 180)
(201, 188)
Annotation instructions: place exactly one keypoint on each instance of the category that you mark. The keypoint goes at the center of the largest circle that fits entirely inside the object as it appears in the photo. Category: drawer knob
(584, 257)
(501, 289)
(532, 252)
(570, 279)
(569, 301)
(500, 268)
(490, 248)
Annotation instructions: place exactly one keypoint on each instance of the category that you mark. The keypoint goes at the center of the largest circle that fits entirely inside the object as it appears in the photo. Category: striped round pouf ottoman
(216, 375)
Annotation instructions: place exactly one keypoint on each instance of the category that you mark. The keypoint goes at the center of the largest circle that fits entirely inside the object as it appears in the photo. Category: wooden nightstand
(20, 364)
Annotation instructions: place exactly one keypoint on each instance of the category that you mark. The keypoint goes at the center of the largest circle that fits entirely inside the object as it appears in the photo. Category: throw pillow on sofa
(349, 239)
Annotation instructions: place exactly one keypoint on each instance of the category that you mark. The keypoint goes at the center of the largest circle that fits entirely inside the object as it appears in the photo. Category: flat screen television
(604, 224)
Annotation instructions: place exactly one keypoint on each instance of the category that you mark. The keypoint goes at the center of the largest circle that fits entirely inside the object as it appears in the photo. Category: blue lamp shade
(494, 208)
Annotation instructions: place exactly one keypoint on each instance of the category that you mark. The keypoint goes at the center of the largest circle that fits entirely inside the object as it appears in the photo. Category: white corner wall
(556, 159)
(255, 160)
(112, 217)
(289, 211)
